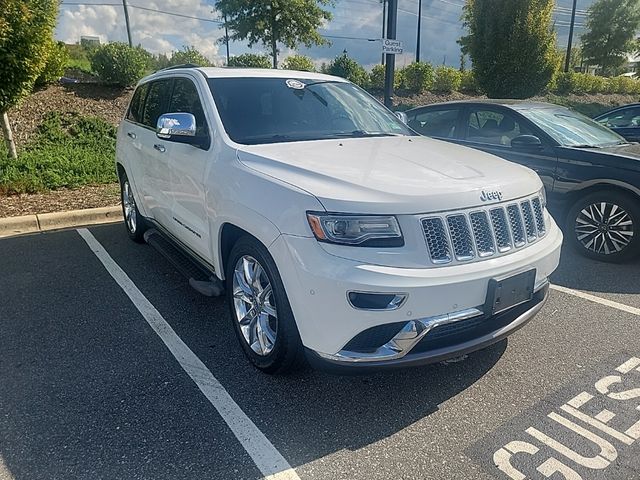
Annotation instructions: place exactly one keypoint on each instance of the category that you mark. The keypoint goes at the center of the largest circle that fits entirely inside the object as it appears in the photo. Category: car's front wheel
(605, 226)
(261, 314)
(133, 221)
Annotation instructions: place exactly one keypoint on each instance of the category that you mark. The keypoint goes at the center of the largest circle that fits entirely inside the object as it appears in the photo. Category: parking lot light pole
(419, 32)
(567, 63)
(126, 19)
(392, 17)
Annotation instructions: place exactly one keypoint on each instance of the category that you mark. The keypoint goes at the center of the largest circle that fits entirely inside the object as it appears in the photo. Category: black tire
(135, 225)
(287, 353)
(598, 226)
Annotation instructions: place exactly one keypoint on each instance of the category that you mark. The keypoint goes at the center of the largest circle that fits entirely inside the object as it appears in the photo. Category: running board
(200, 279)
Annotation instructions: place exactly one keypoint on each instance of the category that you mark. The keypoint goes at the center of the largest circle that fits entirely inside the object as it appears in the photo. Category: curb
(12, 226)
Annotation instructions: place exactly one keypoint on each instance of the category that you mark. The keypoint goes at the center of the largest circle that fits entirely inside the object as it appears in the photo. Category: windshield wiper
(586, 145)
(364, 134)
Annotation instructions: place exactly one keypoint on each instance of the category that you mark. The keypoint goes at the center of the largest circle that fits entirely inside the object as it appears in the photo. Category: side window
(156, 102)
(435, 123)
(493, 127)
(627, 118)
(137, 102)
(185, 99)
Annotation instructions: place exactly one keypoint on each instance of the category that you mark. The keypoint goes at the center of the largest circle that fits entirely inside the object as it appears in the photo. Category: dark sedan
(625, 121)
(591, 174)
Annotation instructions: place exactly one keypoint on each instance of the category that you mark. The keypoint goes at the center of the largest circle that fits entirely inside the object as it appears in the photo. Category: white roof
(224, 72)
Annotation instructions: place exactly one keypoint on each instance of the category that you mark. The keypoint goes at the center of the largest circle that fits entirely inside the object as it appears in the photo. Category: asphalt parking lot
(112, 367)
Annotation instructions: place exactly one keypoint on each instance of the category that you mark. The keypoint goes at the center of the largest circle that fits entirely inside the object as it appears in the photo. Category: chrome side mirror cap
(402, 117)
(176, 126)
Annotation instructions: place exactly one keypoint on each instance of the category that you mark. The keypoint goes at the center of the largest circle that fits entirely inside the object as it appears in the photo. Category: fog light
(376, 301)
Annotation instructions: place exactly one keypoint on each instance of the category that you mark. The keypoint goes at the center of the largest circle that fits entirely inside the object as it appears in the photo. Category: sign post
(387, 49)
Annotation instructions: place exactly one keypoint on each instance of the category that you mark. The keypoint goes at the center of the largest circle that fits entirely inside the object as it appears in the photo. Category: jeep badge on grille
(492, 195)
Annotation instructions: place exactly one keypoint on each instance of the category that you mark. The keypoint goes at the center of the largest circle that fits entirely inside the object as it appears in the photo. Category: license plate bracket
(509, 291)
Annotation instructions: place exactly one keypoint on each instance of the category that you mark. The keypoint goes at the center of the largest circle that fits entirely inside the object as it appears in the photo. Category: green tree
(120, 64)
(299, 62)
(26, 30)
(513, 53)
(346, 67)
(57, 60)
(289, 22)
(250, 60)
(610, 36)
(189, 55)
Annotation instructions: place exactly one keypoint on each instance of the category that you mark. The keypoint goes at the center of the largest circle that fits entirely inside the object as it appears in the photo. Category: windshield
(269, 110)
(572, 129)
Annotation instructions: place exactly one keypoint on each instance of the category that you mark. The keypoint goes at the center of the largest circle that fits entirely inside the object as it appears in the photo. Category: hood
(395, 175)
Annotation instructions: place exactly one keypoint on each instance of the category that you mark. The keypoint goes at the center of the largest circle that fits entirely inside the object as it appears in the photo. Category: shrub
(57, 60)
(346, 67)
(468, 82)
(299, 62)
(68, 150)
(418, 77)
(250, 60)
(448, 79)
(624, 85)
(187, 55)
(378, 74)
(583, 83)
(120, 64)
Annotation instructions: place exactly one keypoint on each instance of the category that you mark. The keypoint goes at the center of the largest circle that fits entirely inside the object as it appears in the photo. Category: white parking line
(593, 298)
(268, 460)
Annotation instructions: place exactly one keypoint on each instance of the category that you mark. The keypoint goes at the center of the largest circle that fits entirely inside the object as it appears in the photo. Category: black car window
(137, 102)
(625, 118)
(435, 123)
(185, 99)
(156, 102)
(494, 127)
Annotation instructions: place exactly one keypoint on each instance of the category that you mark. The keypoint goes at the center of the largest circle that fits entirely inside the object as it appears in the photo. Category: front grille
(465, 236)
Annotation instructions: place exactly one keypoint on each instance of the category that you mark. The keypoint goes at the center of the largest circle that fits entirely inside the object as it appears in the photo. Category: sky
(359, 20)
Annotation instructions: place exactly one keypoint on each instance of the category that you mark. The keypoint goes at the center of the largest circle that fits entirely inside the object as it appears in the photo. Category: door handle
(160, 148)
(131, 135)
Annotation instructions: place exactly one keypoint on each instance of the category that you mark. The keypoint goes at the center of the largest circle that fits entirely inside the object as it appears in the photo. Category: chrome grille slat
(485, 244)
(517, 225)
(537, 211)
(485, 232)
(501, 229)
(461, 238)
(529, 222)
(437, 240)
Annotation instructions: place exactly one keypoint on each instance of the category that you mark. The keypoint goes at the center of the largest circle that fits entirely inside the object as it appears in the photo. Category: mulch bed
(60, 200)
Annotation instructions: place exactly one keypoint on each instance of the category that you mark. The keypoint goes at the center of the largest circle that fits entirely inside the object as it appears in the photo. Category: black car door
(492, 128)
(625, 122)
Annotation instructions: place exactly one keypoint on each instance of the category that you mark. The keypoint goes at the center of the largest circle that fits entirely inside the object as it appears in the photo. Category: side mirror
(402, 117)
(526, 142)
(180, 128)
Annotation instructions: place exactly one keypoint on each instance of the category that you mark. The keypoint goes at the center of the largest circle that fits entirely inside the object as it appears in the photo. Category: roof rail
(183, 65)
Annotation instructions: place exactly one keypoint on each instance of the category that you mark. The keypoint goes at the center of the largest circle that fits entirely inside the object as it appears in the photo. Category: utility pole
(567, 63)
(226, 38)
(392, 20)
(126, 19)
(384, 17)
(419, 30)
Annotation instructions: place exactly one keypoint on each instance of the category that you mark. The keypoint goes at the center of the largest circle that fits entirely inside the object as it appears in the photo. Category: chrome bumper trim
(414, 331)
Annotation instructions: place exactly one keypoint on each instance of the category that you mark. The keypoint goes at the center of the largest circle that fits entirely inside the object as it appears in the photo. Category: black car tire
(605, 227)
(134, 222)
(287, 352)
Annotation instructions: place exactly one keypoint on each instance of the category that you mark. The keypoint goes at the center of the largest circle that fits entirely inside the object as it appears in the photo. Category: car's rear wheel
(261, 314)
(605, 226)
(133, 221)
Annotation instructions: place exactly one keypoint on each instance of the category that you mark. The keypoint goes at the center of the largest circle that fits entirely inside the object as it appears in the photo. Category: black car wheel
(605, 226)
(260, 310)
(133, 221)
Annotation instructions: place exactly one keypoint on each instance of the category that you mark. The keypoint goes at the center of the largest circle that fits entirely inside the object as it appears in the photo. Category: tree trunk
(8, 136)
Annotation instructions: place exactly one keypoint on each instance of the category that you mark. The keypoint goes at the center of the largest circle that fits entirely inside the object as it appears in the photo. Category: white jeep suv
(338, 234)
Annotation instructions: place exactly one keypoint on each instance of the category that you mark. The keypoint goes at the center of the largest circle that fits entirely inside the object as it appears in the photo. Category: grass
(69, 150)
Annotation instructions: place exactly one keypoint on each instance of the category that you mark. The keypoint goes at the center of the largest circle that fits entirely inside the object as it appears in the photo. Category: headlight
(543, 197)
(356, 230)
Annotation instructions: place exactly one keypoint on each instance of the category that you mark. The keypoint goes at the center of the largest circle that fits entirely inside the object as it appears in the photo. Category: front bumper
(480, 332)
(317, 284)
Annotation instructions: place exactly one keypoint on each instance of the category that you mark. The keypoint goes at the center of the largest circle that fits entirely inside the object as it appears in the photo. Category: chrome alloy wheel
(129, 204)
(604, 228)
(254, 305)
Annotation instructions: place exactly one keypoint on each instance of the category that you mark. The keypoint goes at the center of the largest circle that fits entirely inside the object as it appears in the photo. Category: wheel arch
(600, 185)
